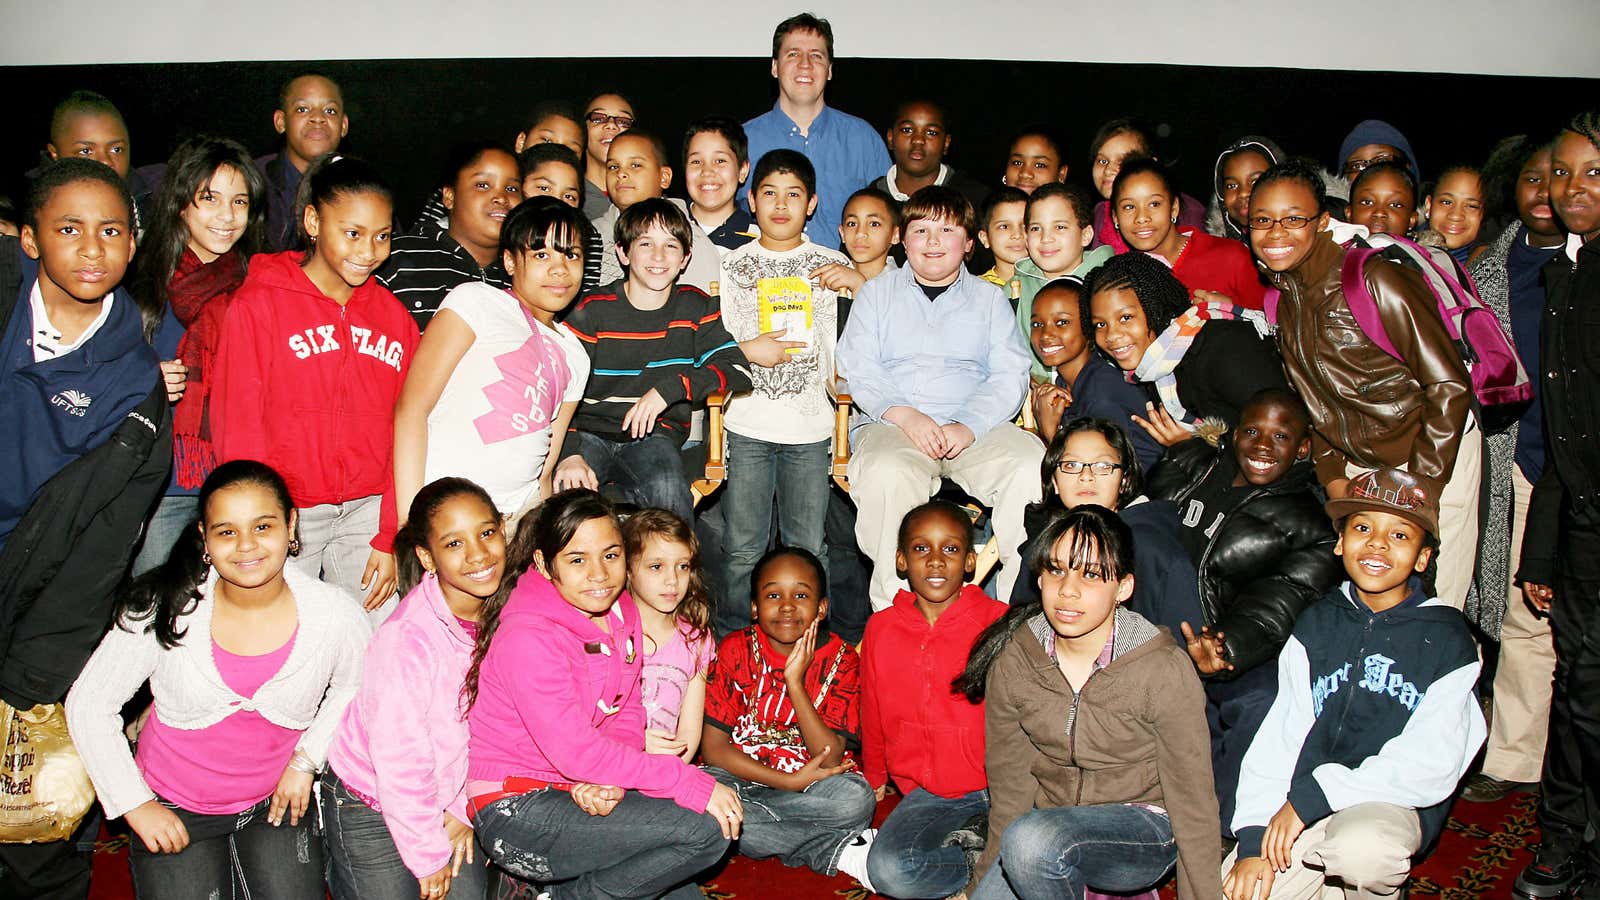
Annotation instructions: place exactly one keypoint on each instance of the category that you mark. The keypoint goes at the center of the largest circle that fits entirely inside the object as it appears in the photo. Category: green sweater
(1032, 280)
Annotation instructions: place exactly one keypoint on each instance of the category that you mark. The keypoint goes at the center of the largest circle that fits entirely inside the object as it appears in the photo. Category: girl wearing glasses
(1091, 460)
(604, 117)
(1368, 408)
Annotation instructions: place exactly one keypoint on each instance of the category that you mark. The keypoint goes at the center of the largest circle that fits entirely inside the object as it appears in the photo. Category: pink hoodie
(559, 700)
(403, 741)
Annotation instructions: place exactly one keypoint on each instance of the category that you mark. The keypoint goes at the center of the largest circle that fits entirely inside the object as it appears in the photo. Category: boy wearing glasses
(937, 370)
(1262, 547)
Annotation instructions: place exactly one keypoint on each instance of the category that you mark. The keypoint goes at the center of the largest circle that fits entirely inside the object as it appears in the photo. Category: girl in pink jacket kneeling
(394, 802)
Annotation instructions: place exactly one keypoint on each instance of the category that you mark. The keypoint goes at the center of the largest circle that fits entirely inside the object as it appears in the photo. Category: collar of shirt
(46, 337)
(894, 189)
(1101, 661)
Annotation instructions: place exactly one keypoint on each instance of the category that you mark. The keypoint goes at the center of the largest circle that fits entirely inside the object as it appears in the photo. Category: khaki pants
(1522, 684)
(1458, 518)
(1360, 853)
(889, 476)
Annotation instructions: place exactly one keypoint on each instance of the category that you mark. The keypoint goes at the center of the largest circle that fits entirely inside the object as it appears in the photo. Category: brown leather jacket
(1367, 407)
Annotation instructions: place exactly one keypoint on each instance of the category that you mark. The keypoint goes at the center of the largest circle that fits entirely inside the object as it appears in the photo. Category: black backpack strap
(10, 277)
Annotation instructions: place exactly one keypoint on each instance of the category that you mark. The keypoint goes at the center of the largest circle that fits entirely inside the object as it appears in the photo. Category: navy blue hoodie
(57, 410)
(1371, 707)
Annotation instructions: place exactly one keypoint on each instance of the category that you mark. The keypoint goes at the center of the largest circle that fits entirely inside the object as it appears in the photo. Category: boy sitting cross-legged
(938, 371)
(783, 717)
(1375, 721)
(656, 348)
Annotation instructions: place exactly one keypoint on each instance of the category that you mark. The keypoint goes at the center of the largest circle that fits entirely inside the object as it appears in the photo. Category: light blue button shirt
(958, 358)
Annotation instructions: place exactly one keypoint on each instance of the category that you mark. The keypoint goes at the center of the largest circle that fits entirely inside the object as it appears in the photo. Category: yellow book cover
(785, 304)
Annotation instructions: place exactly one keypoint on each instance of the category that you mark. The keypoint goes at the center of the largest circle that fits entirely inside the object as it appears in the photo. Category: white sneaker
(853, 858)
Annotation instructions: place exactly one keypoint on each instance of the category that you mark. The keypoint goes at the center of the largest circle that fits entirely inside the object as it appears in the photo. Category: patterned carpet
(1479, 855)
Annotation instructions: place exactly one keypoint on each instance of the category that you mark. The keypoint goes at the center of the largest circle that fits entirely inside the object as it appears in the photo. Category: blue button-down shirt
(847, 152)
(957, 358)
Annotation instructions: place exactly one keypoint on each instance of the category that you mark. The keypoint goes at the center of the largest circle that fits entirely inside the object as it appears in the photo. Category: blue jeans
(173, 514)
(233, 856)
(362, 860)
(761, 475)
(802, 828)
(648, 472)
(1054, 853)
(910, 859)
(646, 848)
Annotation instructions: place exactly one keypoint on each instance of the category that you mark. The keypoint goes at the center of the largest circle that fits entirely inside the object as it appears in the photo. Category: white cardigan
(309, 694)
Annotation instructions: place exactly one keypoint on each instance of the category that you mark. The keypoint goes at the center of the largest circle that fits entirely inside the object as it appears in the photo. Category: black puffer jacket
(1271, 558)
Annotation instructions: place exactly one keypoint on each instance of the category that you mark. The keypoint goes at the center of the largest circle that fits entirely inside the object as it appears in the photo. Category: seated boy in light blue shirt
(938, 372)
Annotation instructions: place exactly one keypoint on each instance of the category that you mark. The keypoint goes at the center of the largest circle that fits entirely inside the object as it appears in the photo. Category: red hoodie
(914, 728)
(308, 386)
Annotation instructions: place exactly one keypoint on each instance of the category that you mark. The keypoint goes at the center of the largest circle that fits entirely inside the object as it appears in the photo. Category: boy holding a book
(778, 432)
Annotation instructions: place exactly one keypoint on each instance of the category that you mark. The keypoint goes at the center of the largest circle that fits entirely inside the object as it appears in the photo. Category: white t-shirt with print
(789, 403)
(492, 422)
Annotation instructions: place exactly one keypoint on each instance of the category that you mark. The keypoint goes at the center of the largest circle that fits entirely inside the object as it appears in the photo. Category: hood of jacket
(1217, 220)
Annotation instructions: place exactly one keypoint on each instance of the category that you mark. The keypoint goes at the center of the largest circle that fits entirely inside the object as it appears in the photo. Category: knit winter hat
(1377, 131)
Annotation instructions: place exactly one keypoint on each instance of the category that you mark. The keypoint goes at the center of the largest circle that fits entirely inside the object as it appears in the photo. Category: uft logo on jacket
(73, 403)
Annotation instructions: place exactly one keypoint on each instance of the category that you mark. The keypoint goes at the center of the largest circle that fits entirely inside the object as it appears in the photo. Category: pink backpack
(1498, 377)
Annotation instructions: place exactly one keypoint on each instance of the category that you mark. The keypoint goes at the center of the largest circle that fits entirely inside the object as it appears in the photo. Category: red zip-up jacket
(914, 728)
(308, 386)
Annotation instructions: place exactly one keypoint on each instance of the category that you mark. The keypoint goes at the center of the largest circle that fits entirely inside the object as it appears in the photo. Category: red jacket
(914, 728)
(1209, 263)
(308, 386)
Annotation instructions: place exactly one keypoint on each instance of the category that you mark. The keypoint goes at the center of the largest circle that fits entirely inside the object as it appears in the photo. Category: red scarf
(193, 287)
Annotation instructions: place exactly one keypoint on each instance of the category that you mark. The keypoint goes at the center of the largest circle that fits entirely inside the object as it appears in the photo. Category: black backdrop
(406, 113)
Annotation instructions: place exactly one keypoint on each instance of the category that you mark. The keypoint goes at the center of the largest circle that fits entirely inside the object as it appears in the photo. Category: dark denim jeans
(647, 472)
(761, 475)
(363, 863)
(910, 859)
(802, 828)
(645, 849)
(1049, 854)
(235, 856)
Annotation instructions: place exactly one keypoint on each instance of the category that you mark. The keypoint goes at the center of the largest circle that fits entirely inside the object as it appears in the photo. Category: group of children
(1233, 590)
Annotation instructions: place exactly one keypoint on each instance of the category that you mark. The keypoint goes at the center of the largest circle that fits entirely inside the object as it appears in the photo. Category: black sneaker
(1548, 877)
(1483, 788)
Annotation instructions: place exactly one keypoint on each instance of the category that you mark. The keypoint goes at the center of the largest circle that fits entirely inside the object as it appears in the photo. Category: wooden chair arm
(839, 390)
(716, 471)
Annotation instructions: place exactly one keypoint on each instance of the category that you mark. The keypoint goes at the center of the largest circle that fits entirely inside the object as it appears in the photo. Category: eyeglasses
(600, 118)
(1292, 223)
(1356, 166)
(1076, 467)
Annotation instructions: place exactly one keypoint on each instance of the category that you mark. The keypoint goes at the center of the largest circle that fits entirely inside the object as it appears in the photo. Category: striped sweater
(682, 350)
(427, 264)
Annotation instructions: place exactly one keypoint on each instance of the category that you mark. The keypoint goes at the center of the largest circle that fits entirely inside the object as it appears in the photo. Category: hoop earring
(205, 558)
(294, 546)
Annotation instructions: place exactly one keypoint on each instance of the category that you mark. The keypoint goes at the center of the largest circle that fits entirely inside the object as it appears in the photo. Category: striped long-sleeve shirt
(427, 264)
(682, 350)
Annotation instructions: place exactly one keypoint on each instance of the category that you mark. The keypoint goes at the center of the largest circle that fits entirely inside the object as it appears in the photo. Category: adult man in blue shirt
(847, 152)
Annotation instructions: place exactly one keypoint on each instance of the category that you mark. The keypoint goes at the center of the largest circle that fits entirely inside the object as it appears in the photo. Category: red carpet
(1480, 853)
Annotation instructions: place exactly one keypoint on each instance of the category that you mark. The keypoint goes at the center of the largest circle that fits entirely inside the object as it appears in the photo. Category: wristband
(301, 762)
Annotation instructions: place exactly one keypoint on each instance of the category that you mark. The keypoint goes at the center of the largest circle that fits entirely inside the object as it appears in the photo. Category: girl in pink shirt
(394, 804)
(251, 664)
(668, 586)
